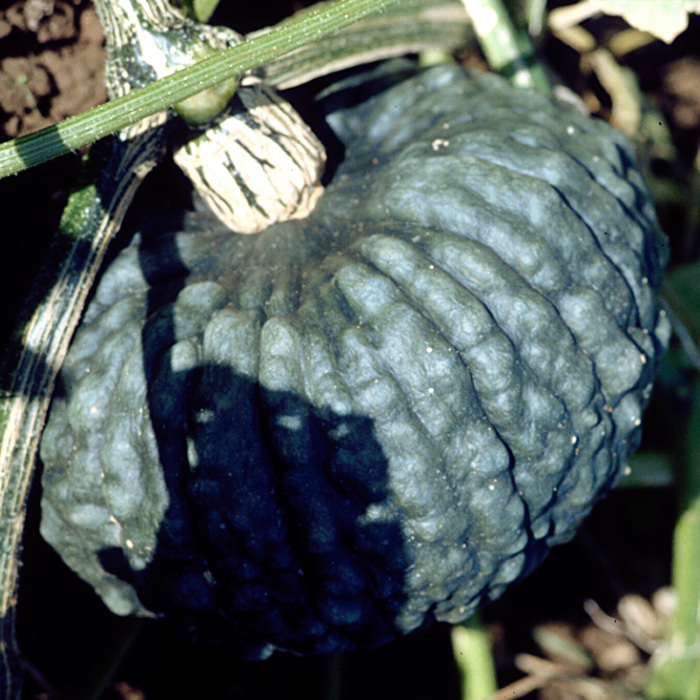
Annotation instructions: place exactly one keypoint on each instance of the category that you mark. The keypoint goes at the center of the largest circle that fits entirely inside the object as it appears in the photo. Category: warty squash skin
(351, 425)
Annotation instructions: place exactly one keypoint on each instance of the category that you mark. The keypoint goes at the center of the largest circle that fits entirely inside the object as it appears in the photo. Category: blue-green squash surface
(351, 425)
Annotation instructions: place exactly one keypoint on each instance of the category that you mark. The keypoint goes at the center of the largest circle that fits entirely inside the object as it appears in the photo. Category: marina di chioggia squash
(382, 414)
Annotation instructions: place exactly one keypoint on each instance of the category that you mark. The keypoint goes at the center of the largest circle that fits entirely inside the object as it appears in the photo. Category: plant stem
(676, 667)
(472, 652)
(536, 11)
(92, 216)
(409, 26)
(507, 50)
(75, 132)
(202, 10)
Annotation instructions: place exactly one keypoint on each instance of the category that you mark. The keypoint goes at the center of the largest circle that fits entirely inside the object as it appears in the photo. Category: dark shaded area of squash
(179, 584)
(72, 639)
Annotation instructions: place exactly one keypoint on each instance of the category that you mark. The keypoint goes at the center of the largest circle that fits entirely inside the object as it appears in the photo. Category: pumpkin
(383, 414)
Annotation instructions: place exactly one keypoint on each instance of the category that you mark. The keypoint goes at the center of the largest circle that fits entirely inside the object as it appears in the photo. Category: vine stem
(471, 647)
(44, 344)
(202, 10)
(507, 49)
(675, 667)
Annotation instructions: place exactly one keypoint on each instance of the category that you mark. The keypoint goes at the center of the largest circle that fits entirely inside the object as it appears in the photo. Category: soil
(52, 63)
(51, 67)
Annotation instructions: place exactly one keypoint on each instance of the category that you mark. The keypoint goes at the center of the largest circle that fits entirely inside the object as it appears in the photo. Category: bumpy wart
(382, 414)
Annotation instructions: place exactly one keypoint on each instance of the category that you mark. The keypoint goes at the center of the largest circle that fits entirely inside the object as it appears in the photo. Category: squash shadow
(278, 531)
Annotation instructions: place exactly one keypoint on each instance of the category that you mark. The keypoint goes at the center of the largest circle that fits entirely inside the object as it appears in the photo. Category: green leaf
(685, 281)
(681, 291)
(665, 19)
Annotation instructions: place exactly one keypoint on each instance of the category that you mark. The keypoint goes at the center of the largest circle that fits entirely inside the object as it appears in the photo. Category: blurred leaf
(647, 470)
(681, 290)
(665, 19)
(562, 647)
(685, 282)
(622, 85)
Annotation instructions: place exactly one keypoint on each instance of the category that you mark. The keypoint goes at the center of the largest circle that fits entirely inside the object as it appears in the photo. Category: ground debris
(606, 659)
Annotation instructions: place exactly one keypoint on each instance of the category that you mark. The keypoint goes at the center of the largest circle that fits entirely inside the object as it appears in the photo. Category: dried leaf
(665, 19)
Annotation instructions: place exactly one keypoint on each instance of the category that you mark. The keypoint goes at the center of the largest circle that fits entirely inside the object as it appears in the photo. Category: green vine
(507, 48)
